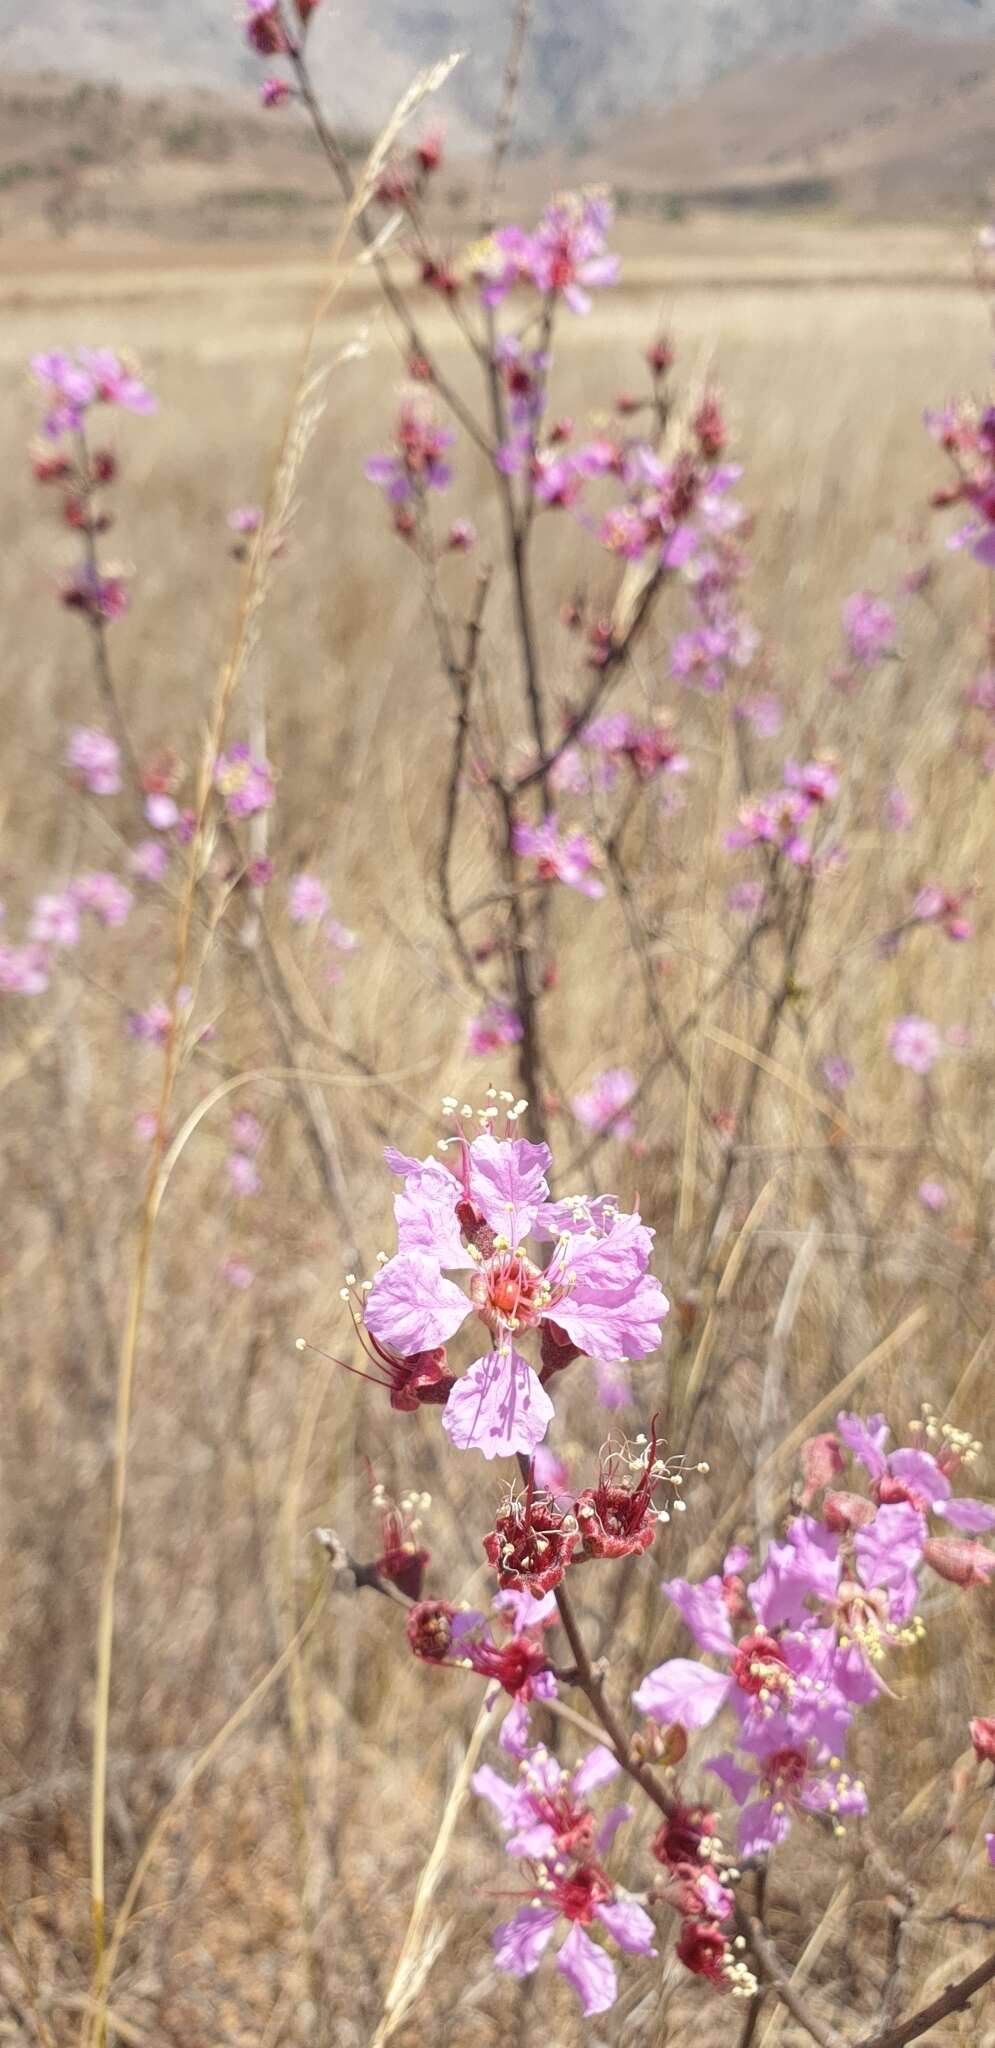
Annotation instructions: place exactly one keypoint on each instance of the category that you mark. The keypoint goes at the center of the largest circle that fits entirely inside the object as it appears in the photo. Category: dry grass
(320, 1813)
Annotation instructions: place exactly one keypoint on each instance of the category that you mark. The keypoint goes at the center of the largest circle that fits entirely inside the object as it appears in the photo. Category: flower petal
(704, 1610)
(508, 1181)
(498, 1407)
(629, 1925)
(589, 1970)
(682, 1691)
(412, 1307)
(519, 1944)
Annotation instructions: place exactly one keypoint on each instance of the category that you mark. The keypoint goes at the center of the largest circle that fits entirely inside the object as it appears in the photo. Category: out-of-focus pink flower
(243, 1175)
(95, 760)
(747, 899)
(307, 899)
(149, 860)
(572, 860)
(933, 1195)
(246, 1131)
(55, 920)
(339, 936)
(23, 970)
(915, 1043)
(274, 92)
(100, 596)
(899, 812)
(246, 518)
(495, 1027)
(837, 1072)
(237, 1273)
(604, 1105)
(245, 782)
(265, 29)
(462, 536)
(419, 446)
(102, 893)
(869, 625)
(162, 811)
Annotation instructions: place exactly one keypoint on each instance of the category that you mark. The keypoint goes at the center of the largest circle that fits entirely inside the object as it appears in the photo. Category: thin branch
(955, 1998)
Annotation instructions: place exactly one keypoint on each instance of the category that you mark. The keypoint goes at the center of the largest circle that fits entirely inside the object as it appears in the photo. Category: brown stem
(955, 1998)
(98, 625)
(502, 127)
(461, 676)
(764, 1952)
(395, 298)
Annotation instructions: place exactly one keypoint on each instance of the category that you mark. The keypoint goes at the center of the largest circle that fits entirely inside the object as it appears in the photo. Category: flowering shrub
(612, 756)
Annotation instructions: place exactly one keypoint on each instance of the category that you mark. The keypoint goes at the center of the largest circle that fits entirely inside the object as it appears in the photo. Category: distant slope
(894, 124)
(591, 62)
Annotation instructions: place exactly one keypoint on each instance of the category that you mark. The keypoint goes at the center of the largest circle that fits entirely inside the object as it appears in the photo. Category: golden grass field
(277, 1901)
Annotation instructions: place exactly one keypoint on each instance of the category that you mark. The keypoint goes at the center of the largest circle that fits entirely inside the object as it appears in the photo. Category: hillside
(894, 124)
(589, 65)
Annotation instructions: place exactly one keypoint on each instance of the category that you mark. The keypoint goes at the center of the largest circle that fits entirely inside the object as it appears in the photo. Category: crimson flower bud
(844, 1512)
(703, 1950)
(983, 1738)
(961, 1562)
(822, 1459)
(429, 1629)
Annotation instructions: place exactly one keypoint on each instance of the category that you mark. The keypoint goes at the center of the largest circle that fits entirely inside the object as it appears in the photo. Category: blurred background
(798, 192)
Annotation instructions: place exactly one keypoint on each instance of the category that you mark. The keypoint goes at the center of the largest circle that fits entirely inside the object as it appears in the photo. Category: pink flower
(242, 1175)
(246, 1131)
(914, 1043)
(149, 860)
(274, 92)
(416, 463)
(101, 597)
(307, 900)
(571, 860)
(23, 970)
(54, 920)
(246, 783)
(339, 936)
(869, 625)
(933, 1195)
(595, 1295)
(248, 518)
(265, 31)
(94, 376)
(462, 536)
(899, 812)
(496, 1026)
(837, 1072)
(602, 1107)
(747, 899)
(108, 898)
(237, 1273)
(936, 905)
(162, 811)
(95, 760)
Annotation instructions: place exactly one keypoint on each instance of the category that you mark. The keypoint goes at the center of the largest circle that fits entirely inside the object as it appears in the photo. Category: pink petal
(589, 1971)
(704, 1610)
(629, 1925)
(412, 1307)
(520, 1943)
(507, 1179)
(682, 1691)
(498, 1407)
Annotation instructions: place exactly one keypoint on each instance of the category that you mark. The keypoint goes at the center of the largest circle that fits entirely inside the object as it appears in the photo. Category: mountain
(895, 124)
(591, 62)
